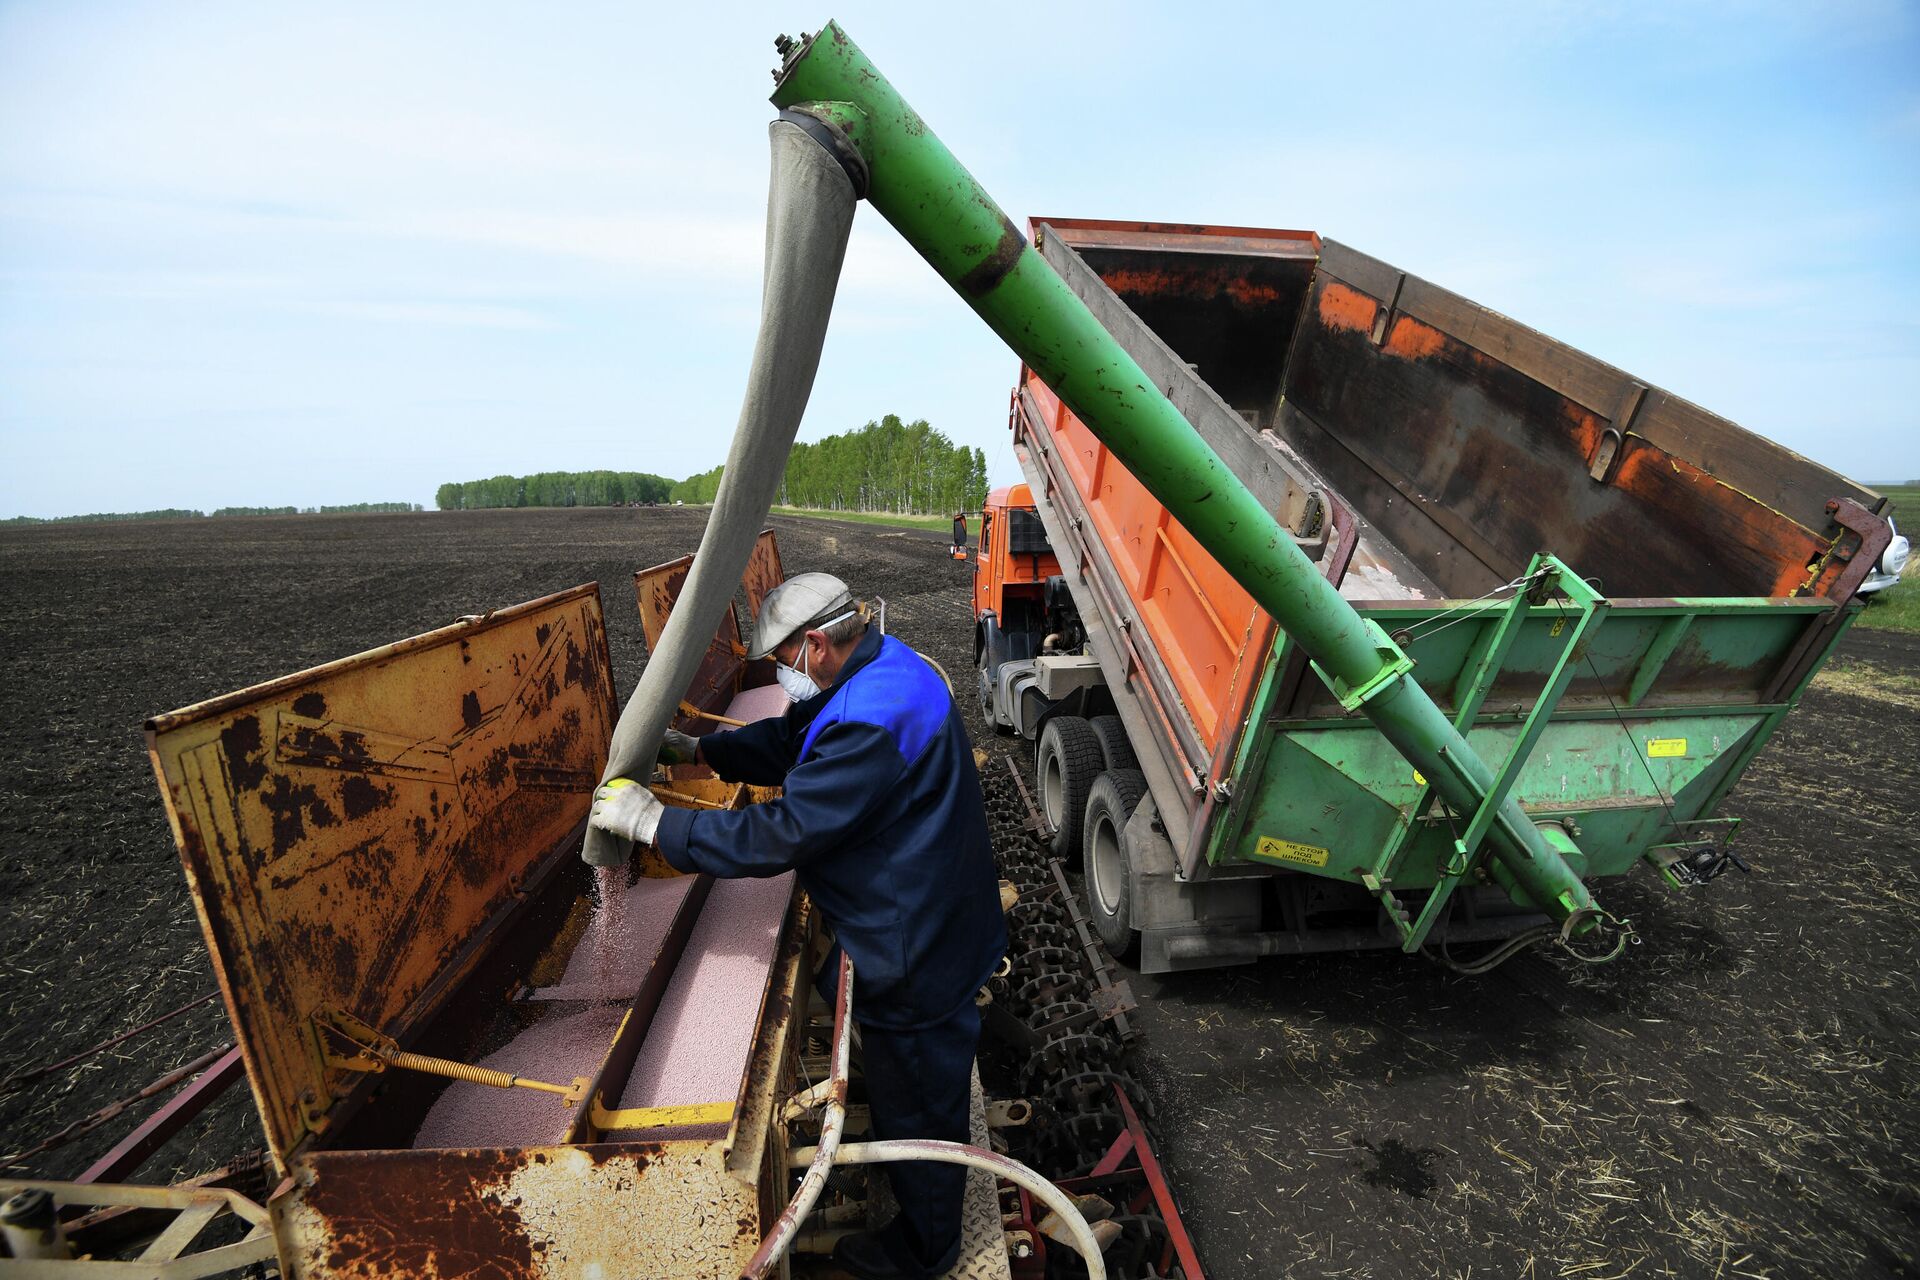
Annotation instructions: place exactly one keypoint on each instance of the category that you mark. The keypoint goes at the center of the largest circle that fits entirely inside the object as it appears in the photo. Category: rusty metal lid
(352, 833)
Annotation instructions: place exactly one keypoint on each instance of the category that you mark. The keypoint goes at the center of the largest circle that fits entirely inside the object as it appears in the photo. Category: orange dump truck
(1427, 454)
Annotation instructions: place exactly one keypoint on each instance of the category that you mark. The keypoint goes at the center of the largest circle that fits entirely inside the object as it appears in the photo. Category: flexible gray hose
(810, 204)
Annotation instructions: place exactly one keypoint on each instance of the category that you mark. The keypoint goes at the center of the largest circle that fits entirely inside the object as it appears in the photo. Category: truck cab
(1014, 574)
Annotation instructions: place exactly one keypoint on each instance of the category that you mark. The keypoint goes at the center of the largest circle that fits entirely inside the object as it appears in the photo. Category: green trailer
(1374, 618)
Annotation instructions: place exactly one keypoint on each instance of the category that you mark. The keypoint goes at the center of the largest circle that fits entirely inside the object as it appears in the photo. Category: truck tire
(987, 711)
(1064, 767)
(1111, 802)
(1114, 746)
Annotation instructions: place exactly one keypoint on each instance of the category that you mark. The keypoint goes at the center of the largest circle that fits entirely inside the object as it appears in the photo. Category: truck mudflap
(1218, 916)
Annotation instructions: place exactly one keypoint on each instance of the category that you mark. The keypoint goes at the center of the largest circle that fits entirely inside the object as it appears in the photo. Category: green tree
(887, 465)
(549, 489)
(699, 488)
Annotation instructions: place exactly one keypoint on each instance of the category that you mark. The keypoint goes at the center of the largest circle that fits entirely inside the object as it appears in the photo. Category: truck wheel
(1112, 801)
(1114, 746)
(987, 712)
(1067, 762)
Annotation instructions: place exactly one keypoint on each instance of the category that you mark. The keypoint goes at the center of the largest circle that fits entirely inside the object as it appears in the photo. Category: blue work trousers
(919, 1086)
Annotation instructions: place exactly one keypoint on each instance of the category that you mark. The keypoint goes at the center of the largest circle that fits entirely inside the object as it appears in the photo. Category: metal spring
(453, 1070)
(472, 1074)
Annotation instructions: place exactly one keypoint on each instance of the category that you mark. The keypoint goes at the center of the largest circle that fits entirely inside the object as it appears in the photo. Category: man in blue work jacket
(882, 817)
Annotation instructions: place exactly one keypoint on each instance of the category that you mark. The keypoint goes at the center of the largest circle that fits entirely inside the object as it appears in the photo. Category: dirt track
(1735, 1097)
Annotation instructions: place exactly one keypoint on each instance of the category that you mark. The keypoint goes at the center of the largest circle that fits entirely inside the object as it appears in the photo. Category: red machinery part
(1133, 1143)
(132, 1151)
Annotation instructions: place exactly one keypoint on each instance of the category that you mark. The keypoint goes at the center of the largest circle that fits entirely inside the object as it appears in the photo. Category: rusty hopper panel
(635, 1212)
(720, 675)
(764, 571)
(658, 588)
(354, 835)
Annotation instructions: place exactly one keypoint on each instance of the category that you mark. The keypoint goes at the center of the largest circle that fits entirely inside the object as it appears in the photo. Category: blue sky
(276, 254)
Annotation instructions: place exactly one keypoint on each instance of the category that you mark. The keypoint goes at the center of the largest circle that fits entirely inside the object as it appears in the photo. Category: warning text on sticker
(1308, 855)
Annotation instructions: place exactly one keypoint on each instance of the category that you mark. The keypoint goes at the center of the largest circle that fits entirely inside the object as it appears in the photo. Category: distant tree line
(554, 489)
(165, 513)
(345, 508)
(183, 513)
(903, 468)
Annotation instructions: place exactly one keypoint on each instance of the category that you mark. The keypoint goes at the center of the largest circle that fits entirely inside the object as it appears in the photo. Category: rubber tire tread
(1114, 745)
(1072, 741)
(1119, 792)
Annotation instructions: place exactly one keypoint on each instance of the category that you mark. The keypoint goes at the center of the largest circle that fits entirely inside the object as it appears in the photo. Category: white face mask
(798, 685)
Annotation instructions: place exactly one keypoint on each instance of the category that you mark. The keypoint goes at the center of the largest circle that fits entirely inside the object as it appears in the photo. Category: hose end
(603, 849)
(834, 140)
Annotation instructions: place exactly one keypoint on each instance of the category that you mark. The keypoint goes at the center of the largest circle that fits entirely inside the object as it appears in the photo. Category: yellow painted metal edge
(628, 1118)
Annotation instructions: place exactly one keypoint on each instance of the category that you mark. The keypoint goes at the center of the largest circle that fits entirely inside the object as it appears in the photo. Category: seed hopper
(384, 855)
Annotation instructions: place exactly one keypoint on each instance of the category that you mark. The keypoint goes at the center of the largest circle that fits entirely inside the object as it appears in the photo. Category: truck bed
(1421, 449)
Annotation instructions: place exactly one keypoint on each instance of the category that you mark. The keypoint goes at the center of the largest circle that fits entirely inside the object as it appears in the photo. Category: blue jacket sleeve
(759, 753)
(847, 775)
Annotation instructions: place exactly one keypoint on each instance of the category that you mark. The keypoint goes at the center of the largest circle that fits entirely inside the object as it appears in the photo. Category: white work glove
(679, 748)
(626, 809)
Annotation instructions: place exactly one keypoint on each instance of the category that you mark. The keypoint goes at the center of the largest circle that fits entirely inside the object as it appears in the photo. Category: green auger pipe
(931, 199)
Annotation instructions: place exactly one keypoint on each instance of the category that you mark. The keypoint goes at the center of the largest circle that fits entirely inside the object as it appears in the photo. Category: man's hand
(679, 748)
(626, 809)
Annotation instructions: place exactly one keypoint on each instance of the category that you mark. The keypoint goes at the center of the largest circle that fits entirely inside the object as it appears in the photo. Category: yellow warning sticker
(1657, 747)
(1308, 855)
(1419, 778)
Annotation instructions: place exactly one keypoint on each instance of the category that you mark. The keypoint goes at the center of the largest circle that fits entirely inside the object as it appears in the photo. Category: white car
(1892, 561)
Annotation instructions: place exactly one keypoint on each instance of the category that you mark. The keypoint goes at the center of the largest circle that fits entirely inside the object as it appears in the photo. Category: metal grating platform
(983, 1252)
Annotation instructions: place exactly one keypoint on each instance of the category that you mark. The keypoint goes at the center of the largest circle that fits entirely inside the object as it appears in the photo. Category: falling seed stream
(609, 912)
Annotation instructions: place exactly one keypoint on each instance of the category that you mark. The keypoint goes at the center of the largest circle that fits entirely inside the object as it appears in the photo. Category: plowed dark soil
(1735, 1097)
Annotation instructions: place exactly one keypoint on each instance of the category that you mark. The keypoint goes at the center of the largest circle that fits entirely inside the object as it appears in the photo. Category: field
(1897, 608)
(940, 524)
(1735, 1097)
(1906, 500)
